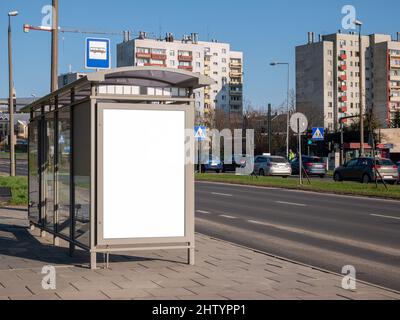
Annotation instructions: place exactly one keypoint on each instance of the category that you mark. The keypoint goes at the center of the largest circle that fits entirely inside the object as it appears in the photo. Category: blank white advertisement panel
(144, 174)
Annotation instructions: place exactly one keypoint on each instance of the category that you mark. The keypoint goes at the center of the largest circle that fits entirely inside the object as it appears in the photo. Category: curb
(302, 190)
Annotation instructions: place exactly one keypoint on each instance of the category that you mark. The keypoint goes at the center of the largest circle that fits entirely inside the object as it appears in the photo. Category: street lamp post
(11, 94)
(361, 86)
(54, 47)
(288, 105)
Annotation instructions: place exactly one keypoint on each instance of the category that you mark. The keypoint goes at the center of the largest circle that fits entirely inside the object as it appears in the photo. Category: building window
(172, 63)
(198, 64)
(172, 53)
(143, 50)
(224, 51)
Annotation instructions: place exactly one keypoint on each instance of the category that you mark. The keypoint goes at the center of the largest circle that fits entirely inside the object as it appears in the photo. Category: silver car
(272, 166)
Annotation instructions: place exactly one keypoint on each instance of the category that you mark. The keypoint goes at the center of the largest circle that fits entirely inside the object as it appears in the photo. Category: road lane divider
(384, 217)
(227, 217)
(333, 238)
(291, 203)
(203, 212)
(221, 194)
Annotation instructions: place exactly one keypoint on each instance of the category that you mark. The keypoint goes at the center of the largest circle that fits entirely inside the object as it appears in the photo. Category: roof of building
(157, 77)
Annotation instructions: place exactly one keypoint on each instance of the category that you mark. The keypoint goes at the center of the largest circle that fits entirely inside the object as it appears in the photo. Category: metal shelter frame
(53, 163)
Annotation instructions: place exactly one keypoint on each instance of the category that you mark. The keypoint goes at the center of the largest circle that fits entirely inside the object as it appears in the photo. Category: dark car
(314, 166)
(231, 165)
(363, 170)
(212, 164)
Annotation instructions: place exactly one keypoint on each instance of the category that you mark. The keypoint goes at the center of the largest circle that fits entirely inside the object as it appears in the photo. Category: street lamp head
(13, 13)
(273, 63)
(358, 23)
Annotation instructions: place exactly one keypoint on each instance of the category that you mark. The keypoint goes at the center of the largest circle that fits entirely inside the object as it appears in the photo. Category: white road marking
(222, 194)
(204, 212)
(318, 235)
(291, 203)
(259, 223)
(227, 217)
(386, 217)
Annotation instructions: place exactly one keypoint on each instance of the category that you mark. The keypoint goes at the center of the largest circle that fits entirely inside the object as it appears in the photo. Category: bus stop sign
(97, 54)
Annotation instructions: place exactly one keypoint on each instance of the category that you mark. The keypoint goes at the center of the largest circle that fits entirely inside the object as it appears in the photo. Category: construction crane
(27, 28)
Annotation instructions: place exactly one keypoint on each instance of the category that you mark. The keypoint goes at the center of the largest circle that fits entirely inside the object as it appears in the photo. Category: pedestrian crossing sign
(318, 134)
(200, 133)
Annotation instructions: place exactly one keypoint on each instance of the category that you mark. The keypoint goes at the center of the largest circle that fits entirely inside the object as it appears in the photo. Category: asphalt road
(21, 167)
(325, 231)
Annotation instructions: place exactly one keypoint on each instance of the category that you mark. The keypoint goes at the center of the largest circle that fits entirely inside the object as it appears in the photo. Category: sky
(264, 30)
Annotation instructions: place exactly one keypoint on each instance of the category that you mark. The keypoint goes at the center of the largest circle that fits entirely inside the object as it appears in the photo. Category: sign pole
(300, 155)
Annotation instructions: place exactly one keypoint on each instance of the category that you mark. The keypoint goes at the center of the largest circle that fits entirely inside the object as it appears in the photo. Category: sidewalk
(223, 271)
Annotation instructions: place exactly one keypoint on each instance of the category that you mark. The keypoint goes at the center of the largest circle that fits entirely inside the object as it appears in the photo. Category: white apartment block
(212, 59)
(328, 78)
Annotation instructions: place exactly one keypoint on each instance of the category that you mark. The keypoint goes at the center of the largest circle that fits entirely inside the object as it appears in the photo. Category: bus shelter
(107, 161)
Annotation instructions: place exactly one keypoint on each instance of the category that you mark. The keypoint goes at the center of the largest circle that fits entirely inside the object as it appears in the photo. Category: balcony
(185, 58)
(158, 56)
(343, 67)
(343, 88)
(394, 99)
(143, 55)
(395, 65)
(343, 57)
(188, 68)
(343, 99)
(155, 65)
(343, 110)
(235, 64)
(234, 74)
(343, 77)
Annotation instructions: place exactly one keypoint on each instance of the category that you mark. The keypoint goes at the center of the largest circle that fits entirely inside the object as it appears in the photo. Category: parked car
(363, 170)
(233, 165)
(314, 166)
(212, 164)
(398, 170)
(272, 166)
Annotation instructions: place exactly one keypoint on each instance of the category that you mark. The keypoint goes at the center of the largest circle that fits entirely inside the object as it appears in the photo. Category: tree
(395, 122)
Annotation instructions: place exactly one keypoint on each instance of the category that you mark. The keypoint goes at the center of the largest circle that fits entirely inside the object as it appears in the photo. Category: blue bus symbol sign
(97, 54)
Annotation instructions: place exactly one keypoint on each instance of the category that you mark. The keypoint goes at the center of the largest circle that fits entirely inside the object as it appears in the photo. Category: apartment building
(213, 59)
(328, 78)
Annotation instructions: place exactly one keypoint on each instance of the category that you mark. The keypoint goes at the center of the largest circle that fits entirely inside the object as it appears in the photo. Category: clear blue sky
(264, 30)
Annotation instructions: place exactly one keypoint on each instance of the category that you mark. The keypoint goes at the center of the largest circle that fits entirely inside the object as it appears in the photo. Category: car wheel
(366, 179)
(392, 182)
(322, 176)
(261, 173)
(337, 177)
(218, 171)
(284, 177)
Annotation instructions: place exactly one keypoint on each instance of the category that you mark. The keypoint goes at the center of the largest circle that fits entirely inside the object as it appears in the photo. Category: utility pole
(11, 94)
(54, 47)
(269, 128)
(288, 105)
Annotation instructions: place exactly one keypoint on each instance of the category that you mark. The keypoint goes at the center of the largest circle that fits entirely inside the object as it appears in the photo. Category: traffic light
(310, 141)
